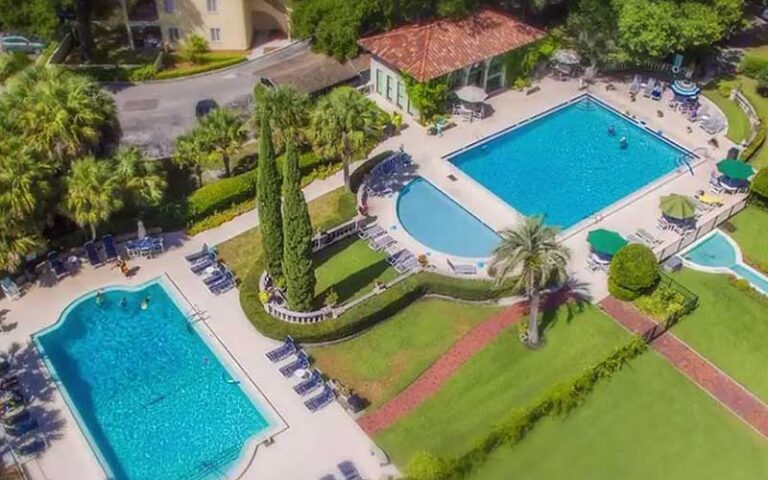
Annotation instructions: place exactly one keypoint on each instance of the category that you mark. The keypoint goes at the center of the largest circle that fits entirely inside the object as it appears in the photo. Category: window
(173, 34)
(168, 6)
(390, 87)
(379, 81)
(400, 94)
(213, 5)
(215, 34)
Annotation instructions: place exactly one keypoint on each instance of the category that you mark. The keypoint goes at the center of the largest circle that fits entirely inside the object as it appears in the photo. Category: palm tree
(24, 182)
(17, 239)
(222, 134)
(345, 125)
(190, 153)
(92, 193)
(138, 177)
(60, 114)
(287, 109)
(531, 258)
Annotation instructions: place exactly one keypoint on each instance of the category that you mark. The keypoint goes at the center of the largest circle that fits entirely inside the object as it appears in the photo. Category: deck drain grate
(452, 178)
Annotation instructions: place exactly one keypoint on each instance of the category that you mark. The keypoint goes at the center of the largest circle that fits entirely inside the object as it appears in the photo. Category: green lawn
(327, 211)
(751, 227)
(647, 422)
(503, 376)
(387, 358)
(350, 268)
(730, 328)
(738, 122)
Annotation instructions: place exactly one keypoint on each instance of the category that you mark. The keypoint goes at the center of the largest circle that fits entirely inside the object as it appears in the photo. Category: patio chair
(220, 271)
(22, 428)
(157, 245)
(302, 361)
(349, 470)
(320, 400)
(223, 285)
(399, 257)
(381, 243)
(110, 250)
(57, 265)
(191, 258)
(372, 231)
(634, 87)
(282, 352)
(407, 265)
(460, 269)
(200, 265)
(658, 91)
(30, 446)
(642, 233)
(649, 88)
(314, 381)
(92, 254)
(10, 289)
(714, 184)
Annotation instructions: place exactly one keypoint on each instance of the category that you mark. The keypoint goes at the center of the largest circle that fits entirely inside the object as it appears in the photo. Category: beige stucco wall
(233, 17)
(381, 91)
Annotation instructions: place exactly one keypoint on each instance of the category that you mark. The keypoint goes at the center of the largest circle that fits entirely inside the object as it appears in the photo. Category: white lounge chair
(381, 243)
(372, 231)
(10, 289)
(462, 269)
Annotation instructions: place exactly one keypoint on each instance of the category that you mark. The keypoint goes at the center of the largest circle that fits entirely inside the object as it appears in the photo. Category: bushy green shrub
(198, 69)
(756, 143)
(428, 98)
(724, 90)
(194, 47)
(147, 72)
(12, 63)
(762, 82)
(220, 217)
(759, 185)
(751, 65)
(426, 466)
(220, 195)
(634, 270)
(663, 303)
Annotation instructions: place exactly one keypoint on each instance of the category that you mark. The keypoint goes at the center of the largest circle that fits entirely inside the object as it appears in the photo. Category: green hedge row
(756, 142)
(220, 195)
(197, 69)
(751, 66)
(365, 315)
(561, 400)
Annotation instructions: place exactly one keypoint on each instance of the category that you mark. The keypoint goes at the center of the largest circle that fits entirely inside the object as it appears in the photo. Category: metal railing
(702, 229)
(648, 65)
(326, 239)
(743, 103)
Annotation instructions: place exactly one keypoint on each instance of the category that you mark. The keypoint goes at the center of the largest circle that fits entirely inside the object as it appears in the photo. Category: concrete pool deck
(637, 210)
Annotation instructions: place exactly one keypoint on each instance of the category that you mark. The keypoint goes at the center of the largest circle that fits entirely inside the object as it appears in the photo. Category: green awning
(605, 241)
(678, 206)
(735, 169)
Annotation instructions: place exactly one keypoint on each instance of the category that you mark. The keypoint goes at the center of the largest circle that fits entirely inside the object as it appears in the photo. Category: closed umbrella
(471, 94)
(606, 242)
(678, 207)
(566, 57)
(142, 232)
(685, 88)
(735, 169)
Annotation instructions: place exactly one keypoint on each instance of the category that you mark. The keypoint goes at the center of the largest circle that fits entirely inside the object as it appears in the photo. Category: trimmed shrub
(756, 143)
(426, 466)
(762, 82)
(220, 195)
(664, 303)
(220, 217)
(198, 69)
(634, 270)
(194, 48)
(12, 63)
(147, 72)
(759, 185)
(751, 66)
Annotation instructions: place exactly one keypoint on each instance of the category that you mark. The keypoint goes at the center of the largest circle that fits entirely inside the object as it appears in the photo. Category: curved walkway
(724, 389)
(443, 369)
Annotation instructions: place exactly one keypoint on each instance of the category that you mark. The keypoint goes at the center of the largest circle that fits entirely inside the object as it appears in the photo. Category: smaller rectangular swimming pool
(154, 401)
(570, 163)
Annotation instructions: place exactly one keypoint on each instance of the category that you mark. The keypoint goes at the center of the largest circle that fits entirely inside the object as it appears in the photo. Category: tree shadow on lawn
(350, 285)
(573, 297)
(337, 248)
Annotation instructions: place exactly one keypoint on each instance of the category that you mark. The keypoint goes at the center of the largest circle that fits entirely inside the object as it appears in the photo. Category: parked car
(204, 107)
(17, 43)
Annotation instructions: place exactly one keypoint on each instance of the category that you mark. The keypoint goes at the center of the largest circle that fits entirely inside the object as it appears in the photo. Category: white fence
(326, 239)
(704, 228)
(744, 104)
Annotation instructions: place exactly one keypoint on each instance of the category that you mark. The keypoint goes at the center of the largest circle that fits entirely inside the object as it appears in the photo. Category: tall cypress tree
(268, 203)
(297, 249)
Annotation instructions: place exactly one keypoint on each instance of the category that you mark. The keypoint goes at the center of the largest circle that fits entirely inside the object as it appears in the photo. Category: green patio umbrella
(605, 241)
(677, 206)
(735, 169)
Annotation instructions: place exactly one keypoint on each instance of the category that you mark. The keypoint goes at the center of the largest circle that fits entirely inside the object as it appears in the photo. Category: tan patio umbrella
(471, 93)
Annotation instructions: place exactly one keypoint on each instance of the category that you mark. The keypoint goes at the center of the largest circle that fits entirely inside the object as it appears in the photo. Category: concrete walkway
(724, 389)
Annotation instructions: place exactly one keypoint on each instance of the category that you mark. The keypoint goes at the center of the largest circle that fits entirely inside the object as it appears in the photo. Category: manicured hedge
(634, 270)
(368, 313)
(756, 142)
(759, 185)
(224, 62)
(220, 195)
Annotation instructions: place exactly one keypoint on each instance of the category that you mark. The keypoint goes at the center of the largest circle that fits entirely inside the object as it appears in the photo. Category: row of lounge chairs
(301, 361)
(109, 248)
(216, 276)
(19, 425)
(402, 260)
(348, 471)
(146, 247)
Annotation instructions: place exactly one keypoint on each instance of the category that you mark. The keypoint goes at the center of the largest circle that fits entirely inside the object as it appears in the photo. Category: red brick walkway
(444, 368)
(706, 375)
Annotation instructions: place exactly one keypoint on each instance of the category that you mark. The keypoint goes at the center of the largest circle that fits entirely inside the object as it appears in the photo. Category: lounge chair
(9, 288)
(713, 125)
(9, 383)
(220, 271)
(649, 88)
(223, 285)
(22, 428)
(407, 265)
(330, 476)
(635, 87)
(57, 265)
(110, 250)
(92, 254)
(372, 231)
(193, 257)
(306, 386)
(302, 361)
(349, 470)
(658, 91)
(460, 269)
(200, 265)
(714, 184)
(399, 257)
(282, 352)
(642, 233)
(30, 446)
(381, 243)
(320, 400)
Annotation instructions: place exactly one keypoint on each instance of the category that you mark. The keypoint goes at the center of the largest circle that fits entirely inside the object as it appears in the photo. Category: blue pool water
(152, 397)
(716, 251)
(566, 166)
(438, 222)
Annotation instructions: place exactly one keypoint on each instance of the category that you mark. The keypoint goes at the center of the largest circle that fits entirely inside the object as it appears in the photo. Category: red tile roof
(430, 50)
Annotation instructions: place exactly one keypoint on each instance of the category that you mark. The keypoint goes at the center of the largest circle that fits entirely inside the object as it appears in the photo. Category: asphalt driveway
(153, 114)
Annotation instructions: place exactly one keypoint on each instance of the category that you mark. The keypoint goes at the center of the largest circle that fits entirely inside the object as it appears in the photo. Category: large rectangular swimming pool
(566, 165)
(152, 398)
